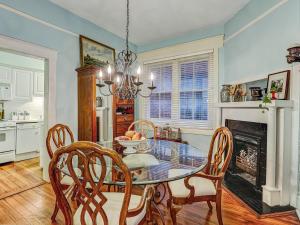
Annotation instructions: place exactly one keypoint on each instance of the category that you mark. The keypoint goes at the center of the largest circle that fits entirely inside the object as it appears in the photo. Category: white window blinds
(183, 97)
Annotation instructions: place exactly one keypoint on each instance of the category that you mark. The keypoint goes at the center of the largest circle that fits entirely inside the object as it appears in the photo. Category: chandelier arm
(106, 95)
(145, 96)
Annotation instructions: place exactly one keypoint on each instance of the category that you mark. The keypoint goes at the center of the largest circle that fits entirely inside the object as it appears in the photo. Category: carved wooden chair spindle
(58, 136)
(206, 185)
(96, 206)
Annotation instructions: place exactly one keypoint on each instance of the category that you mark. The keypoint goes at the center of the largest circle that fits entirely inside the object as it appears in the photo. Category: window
(183, 96)
(160, 100)
(193, 90)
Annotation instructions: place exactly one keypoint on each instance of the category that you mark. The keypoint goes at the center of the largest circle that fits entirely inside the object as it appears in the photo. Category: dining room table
(154, 164)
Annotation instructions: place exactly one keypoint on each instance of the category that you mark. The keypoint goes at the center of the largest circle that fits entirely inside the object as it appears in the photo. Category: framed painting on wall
(95, 53)
(278, 85)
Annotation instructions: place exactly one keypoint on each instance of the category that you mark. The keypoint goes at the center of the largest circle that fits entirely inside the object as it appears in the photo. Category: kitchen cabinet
(22, 84)
(38, 84)
(5, 74)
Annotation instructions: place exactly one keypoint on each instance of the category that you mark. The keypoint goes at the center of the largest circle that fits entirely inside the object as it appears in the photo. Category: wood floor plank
(34, 206)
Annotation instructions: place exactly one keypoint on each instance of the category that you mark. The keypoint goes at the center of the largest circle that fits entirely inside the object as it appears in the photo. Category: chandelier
(124, 82)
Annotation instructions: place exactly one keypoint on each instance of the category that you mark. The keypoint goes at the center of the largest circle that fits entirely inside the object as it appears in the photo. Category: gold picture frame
(95, 53)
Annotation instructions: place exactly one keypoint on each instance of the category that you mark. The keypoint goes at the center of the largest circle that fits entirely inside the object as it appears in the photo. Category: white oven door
(7, 139)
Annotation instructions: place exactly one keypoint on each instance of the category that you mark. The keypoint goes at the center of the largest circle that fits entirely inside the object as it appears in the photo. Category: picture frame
(278, 83)
(95, 53)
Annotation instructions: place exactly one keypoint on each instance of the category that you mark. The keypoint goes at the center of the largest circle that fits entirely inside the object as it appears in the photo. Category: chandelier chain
(127, 26)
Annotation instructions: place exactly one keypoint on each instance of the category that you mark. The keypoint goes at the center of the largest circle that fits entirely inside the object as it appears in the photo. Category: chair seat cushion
(202, 186)
(112, 208)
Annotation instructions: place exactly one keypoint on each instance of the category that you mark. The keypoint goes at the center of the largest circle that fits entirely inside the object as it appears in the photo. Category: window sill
(207, 132)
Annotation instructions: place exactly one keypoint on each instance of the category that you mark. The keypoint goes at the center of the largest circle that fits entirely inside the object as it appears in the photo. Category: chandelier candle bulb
(138, 73)
(109, 72)
(100, 76)
(151, 78)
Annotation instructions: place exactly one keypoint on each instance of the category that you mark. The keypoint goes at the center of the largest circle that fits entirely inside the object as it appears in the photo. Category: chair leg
(209, 205)
(219, 208)
(54, 214)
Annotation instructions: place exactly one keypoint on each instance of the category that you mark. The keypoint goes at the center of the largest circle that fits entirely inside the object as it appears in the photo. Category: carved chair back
(220, 152)
(145, 127)
(59, 135)
(84, 156)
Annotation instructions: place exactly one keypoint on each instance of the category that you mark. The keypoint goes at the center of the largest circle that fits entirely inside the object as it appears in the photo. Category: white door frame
(50, 85)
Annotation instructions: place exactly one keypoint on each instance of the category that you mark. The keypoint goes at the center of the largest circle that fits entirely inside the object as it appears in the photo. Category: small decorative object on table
(294, 54)
(131, 141)
(278, 85)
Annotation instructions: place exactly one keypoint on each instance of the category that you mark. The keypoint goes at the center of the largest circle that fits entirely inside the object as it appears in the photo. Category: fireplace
(248, 163)
(246, 173)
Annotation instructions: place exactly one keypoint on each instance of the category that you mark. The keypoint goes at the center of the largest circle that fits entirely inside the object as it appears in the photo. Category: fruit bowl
(130, 145)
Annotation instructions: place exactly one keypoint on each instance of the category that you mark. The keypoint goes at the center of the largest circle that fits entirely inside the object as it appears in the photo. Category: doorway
(47, 58)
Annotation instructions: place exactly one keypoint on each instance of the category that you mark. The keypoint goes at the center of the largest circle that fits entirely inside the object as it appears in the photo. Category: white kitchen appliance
(7, 141)
(29, 136)
(5, 92)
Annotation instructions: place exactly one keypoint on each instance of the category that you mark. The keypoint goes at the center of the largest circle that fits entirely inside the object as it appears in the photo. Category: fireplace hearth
(246, 173)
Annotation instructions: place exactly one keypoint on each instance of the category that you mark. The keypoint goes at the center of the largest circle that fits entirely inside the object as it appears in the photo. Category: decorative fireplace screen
(248, 163)
(246, 159)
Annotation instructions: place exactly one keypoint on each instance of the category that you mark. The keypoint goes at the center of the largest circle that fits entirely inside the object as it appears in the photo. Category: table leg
(153, 208)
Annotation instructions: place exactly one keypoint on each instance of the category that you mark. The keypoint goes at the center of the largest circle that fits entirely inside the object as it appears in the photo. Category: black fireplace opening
(246, 173)
(248, 163)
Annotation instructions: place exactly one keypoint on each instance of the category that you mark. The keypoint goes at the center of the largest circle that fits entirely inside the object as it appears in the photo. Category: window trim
(184, 50)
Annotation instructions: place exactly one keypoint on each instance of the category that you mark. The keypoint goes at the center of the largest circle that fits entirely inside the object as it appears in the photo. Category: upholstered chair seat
(202, 186)
(112, 209)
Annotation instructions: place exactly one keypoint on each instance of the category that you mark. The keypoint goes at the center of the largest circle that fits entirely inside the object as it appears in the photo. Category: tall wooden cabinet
(87, 122)
(122, 110)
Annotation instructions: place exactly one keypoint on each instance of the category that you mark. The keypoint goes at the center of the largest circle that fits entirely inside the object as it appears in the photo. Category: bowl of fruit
(131, 140)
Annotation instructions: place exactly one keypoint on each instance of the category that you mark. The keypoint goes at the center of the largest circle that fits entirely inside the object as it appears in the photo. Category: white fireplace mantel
(278, 117)
(255, 104)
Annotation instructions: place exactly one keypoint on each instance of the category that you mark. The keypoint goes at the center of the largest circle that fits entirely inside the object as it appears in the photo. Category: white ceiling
(154, 20)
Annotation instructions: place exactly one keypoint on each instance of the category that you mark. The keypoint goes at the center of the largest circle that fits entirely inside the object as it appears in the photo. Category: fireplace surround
(267, 187)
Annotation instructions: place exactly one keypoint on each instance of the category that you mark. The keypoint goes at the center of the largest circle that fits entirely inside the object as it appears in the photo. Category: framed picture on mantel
(95, 53)
(278, 85)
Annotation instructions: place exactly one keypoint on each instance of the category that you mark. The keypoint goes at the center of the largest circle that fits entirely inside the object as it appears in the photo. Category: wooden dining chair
(206, 185)
(145, 127)
(96, 206)
(58, 136)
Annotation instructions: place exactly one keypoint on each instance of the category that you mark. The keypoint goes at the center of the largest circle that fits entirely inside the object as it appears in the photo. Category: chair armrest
(147, 195)
(202, 175)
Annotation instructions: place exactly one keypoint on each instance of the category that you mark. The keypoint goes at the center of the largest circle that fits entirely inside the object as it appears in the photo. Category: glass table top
(162, 161)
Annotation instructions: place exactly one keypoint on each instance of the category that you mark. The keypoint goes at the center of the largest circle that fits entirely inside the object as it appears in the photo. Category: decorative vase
(225, 93)
(273, 97)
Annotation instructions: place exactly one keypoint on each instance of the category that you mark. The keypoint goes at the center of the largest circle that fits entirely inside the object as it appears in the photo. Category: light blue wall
(261, 48)
(65, 44)
(196, 35)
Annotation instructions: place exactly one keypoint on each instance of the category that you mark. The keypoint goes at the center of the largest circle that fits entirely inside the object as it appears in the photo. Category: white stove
(7, 141)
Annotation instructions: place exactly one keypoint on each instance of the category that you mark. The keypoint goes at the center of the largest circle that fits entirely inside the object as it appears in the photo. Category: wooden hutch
(122, 110)
(123, 116)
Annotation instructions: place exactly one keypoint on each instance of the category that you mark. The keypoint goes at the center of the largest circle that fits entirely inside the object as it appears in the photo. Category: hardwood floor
(34, 207)
(20, 176)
